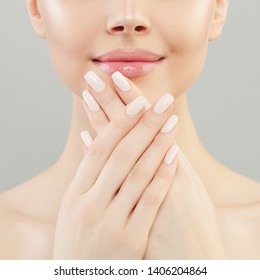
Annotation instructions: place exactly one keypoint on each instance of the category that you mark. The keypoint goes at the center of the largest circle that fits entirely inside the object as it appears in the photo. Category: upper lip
(124, 55)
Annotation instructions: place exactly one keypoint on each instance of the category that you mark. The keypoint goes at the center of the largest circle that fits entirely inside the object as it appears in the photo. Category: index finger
(111, 99)
(126, 89)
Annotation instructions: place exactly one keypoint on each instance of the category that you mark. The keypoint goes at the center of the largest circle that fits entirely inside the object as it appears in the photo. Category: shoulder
(23, 235)
(238, 214)
(7, 236)
(248, 190)
(233, 189)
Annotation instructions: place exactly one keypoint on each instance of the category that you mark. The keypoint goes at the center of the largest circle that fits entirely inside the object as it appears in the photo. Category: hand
(110, 206)
(186, 225)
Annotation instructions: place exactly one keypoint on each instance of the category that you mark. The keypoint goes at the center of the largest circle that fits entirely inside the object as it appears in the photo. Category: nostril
(128, 26)
(118, 29)
(140, 28)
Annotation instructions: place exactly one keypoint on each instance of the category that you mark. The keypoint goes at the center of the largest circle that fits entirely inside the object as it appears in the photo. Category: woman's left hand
(186, 226)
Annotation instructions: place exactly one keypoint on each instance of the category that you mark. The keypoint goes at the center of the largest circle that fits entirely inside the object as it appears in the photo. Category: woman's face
(177, 31)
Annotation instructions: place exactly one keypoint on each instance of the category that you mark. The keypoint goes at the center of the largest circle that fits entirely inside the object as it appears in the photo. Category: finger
(147, 208)
(144, 171)
(104, 94)
(86, 139)
(103, 145)
(96, 115)
(126, 89)
(131, 148)
(111, 100)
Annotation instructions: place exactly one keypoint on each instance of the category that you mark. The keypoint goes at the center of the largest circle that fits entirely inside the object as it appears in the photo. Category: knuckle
(150, 199)
(97, 119)
(121, 123)
(107, 99)
(87, 203)
(82, 213)
(148, 123)
(105, 228)
(108, 231)
(162, 140)
(137, 175)
(96, 150)
(86, 213)
(129, 243)
(164, 174)
(120, 155)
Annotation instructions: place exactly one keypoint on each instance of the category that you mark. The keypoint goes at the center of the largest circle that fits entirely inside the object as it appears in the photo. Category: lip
(131, 63)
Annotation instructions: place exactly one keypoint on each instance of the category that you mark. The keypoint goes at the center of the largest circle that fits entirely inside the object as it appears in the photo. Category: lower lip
(128, 69)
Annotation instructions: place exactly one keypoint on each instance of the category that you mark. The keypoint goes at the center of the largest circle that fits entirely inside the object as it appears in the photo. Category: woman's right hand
(111, 204)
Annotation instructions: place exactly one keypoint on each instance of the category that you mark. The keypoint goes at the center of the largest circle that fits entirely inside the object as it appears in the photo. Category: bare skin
(28, 226)
(29, 213)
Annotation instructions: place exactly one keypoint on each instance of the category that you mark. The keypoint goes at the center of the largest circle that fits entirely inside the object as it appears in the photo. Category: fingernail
(86, 138)
(120, 81)
(95, 81)
(136, 106)
(170, 124)
(90, 101)
(171, 154)
(164, 103)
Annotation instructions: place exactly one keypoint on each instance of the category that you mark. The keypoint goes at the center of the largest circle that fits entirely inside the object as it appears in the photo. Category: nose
(128, 19)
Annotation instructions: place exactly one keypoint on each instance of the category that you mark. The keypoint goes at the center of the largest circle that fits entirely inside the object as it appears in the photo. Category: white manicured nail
(86, 138)
(170, 124)
(90, 101)
(136, 106)
(121, 82)
(95, 81)
(171, 154)
(164, 103)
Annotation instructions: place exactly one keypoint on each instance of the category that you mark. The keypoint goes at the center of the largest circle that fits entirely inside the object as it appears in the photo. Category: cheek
(69, 35)
(186, 35)
(188, 24)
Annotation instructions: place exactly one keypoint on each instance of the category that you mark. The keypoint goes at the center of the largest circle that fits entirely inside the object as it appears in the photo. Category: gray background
(224, 102)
